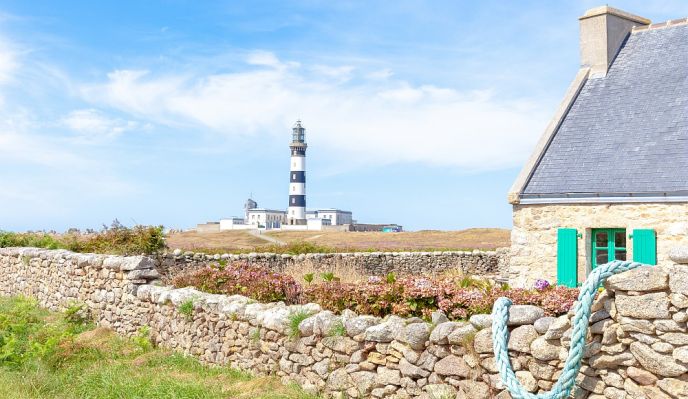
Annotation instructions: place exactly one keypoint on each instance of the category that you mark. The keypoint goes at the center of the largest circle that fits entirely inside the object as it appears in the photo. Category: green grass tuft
(337, 329)
(186, 308)
(294, 320)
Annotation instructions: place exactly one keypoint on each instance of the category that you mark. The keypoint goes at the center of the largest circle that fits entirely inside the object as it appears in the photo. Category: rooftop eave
(604, 198)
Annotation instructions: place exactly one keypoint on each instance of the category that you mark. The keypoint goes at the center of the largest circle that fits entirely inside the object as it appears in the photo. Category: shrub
(118, 239)
(39, 240)
(142, 339)
(254, 282)
(418, 296)
(459, 298)
(115, 239)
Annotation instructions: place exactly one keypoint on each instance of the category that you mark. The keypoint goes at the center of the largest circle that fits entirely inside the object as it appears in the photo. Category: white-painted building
(234, 223)
(335, 217)
(265, 218)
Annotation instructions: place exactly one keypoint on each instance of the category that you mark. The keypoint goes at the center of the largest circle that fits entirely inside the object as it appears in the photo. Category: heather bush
(240, 278)
(418, 296)
(459, 298)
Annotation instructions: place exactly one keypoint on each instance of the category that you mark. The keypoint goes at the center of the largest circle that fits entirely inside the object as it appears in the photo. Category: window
(293, 200)
(608, 245)
(293, 176)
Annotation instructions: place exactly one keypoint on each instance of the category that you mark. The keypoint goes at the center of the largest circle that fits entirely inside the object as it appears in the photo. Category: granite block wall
(638, 339)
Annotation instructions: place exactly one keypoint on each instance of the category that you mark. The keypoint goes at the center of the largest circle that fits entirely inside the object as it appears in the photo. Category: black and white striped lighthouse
(296, 213)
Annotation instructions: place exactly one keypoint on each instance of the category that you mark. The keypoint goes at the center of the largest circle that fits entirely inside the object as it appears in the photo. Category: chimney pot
(602, 32)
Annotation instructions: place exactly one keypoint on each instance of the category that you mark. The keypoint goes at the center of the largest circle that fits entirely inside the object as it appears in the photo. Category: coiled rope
(563, 386)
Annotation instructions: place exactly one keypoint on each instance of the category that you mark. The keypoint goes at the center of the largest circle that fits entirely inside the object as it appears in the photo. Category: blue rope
(563, 386)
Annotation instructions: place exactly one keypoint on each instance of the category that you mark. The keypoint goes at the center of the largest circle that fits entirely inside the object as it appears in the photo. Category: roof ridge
(661, 25)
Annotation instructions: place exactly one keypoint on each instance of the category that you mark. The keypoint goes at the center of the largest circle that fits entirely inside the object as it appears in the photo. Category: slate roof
(626, 133)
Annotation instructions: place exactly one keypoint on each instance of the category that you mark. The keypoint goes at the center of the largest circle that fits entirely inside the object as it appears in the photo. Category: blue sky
(172, 112)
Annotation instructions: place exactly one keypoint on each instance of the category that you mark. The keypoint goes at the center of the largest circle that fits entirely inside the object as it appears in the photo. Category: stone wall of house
(534, 235)
(638, 339)
(483, 263)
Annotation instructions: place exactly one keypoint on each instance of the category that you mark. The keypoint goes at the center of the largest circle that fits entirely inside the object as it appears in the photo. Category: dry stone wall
(484, 263)
(637, 342)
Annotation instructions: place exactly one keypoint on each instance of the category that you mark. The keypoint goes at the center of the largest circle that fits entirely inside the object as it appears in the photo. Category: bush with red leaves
(240, 278)
(409, 296)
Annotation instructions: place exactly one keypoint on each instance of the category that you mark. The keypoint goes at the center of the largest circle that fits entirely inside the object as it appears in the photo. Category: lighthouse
(296, 213)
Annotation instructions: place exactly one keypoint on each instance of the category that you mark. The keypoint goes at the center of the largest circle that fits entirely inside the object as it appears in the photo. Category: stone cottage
(609, 177)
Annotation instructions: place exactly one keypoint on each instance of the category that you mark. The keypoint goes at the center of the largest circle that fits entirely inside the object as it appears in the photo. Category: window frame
(611, 247)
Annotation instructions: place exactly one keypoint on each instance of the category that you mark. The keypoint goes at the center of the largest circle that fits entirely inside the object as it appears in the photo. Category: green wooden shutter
(567, 257)
(644, 246)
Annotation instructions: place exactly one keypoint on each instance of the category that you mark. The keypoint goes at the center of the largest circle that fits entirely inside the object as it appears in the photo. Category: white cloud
(374, 122)
(8, 65)
(341, 73)
(8, 61)
(381, 74)
(263, 58)
(44, 176)
(92, 125)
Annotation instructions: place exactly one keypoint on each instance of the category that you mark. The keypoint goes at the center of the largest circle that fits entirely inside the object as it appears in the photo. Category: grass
(334, 241)
(430, 240)
(337, 330)
(294, 320)
(186, 308)
(225, 241)
(43, 355)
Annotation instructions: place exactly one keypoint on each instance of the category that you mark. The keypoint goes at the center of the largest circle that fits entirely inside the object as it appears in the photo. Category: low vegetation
(114, 239)
(424, 240)
(48, 355)
(300, 242)
(458, 297)
(294, 320)
(254, 282)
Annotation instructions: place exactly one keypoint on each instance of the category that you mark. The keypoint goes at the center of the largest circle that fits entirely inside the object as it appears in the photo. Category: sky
(419, 113)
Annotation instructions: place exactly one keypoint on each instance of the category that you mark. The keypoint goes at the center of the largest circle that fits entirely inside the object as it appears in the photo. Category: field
(47, 355)
(231, 241)
(426, 240)
(418, 240)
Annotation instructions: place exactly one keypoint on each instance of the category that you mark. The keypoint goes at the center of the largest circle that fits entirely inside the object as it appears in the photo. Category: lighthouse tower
(296, 213)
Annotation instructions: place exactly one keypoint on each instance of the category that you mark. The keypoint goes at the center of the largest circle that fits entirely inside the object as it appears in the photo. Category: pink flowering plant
(404, 296)
(240, 278)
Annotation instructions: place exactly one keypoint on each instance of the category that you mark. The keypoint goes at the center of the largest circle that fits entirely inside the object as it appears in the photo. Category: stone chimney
(602, 32)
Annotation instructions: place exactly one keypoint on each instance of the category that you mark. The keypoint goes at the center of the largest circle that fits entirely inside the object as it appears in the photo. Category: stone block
(641, 279)
(656, 363)
(648, 306)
